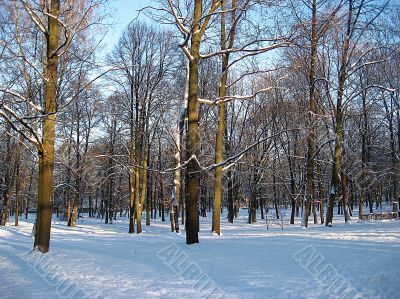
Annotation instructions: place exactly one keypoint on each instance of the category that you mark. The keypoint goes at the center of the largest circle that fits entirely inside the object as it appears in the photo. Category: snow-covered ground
(96, 260)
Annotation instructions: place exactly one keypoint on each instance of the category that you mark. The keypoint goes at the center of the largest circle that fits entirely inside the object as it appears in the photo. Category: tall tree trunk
(230, 176)
(345, 197)
(394, 167)
(335, 174)
(311, 118)
(397, 101)
(231, 211)
(131, 163)
(67, 212)
(110, 201)
(321, 194)
(149, 193)
(90, 195)
(339, 126)
(253, 200)
(292, 166)
(390, 118)
(75, 205)
(364, 157)
(293, 198)
(138, 161)
(29, 193)
(274, 192)
(219, 156)
(176, 197)
(46, 151)
(315, 208)
(106, 203)
(17, 179)
(193, 135)
(145, 143)
(8, 177)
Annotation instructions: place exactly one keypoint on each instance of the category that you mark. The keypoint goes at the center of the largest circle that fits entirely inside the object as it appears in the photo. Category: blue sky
(122, 12)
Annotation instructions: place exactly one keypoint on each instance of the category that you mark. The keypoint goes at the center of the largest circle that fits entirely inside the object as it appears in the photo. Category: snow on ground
(96, 260)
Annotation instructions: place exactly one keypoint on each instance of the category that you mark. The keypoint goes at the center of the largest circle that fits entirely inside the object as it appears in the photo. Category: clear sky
(122, 12)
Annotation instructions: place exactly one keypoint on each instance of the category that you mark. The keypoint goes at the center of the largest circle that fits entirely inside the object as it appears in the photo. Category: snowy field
(96, 260)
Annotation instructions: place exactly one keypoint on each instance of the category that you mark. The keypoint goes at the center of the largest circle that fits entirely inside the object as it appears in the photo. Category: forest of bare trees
(200, 107)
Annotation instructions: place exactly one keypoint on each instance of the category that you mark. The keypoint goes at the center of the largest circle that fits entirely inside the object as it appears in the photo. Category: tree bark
(46, 152)
(337, 159)
(17, 179)
(321, 194)
(311, 118)
(8, 178)
(345, 197)
(364, 157)
(131, 163)
(193, 135)
(219, 156)
(390, 118)
(176, 197)
(146, 144)
(75, 206)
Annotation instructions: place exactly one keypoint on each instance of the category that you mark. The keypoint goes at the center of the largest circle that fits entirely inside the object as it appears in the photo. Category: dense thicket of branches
(201, 105)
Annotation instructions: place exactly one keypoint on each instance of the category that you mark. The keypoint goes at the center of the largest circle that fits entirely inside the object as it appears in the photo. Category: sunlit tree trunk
(46, 152)
(230, 177)
(139, 137)
(216, 223)
(193, 135)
